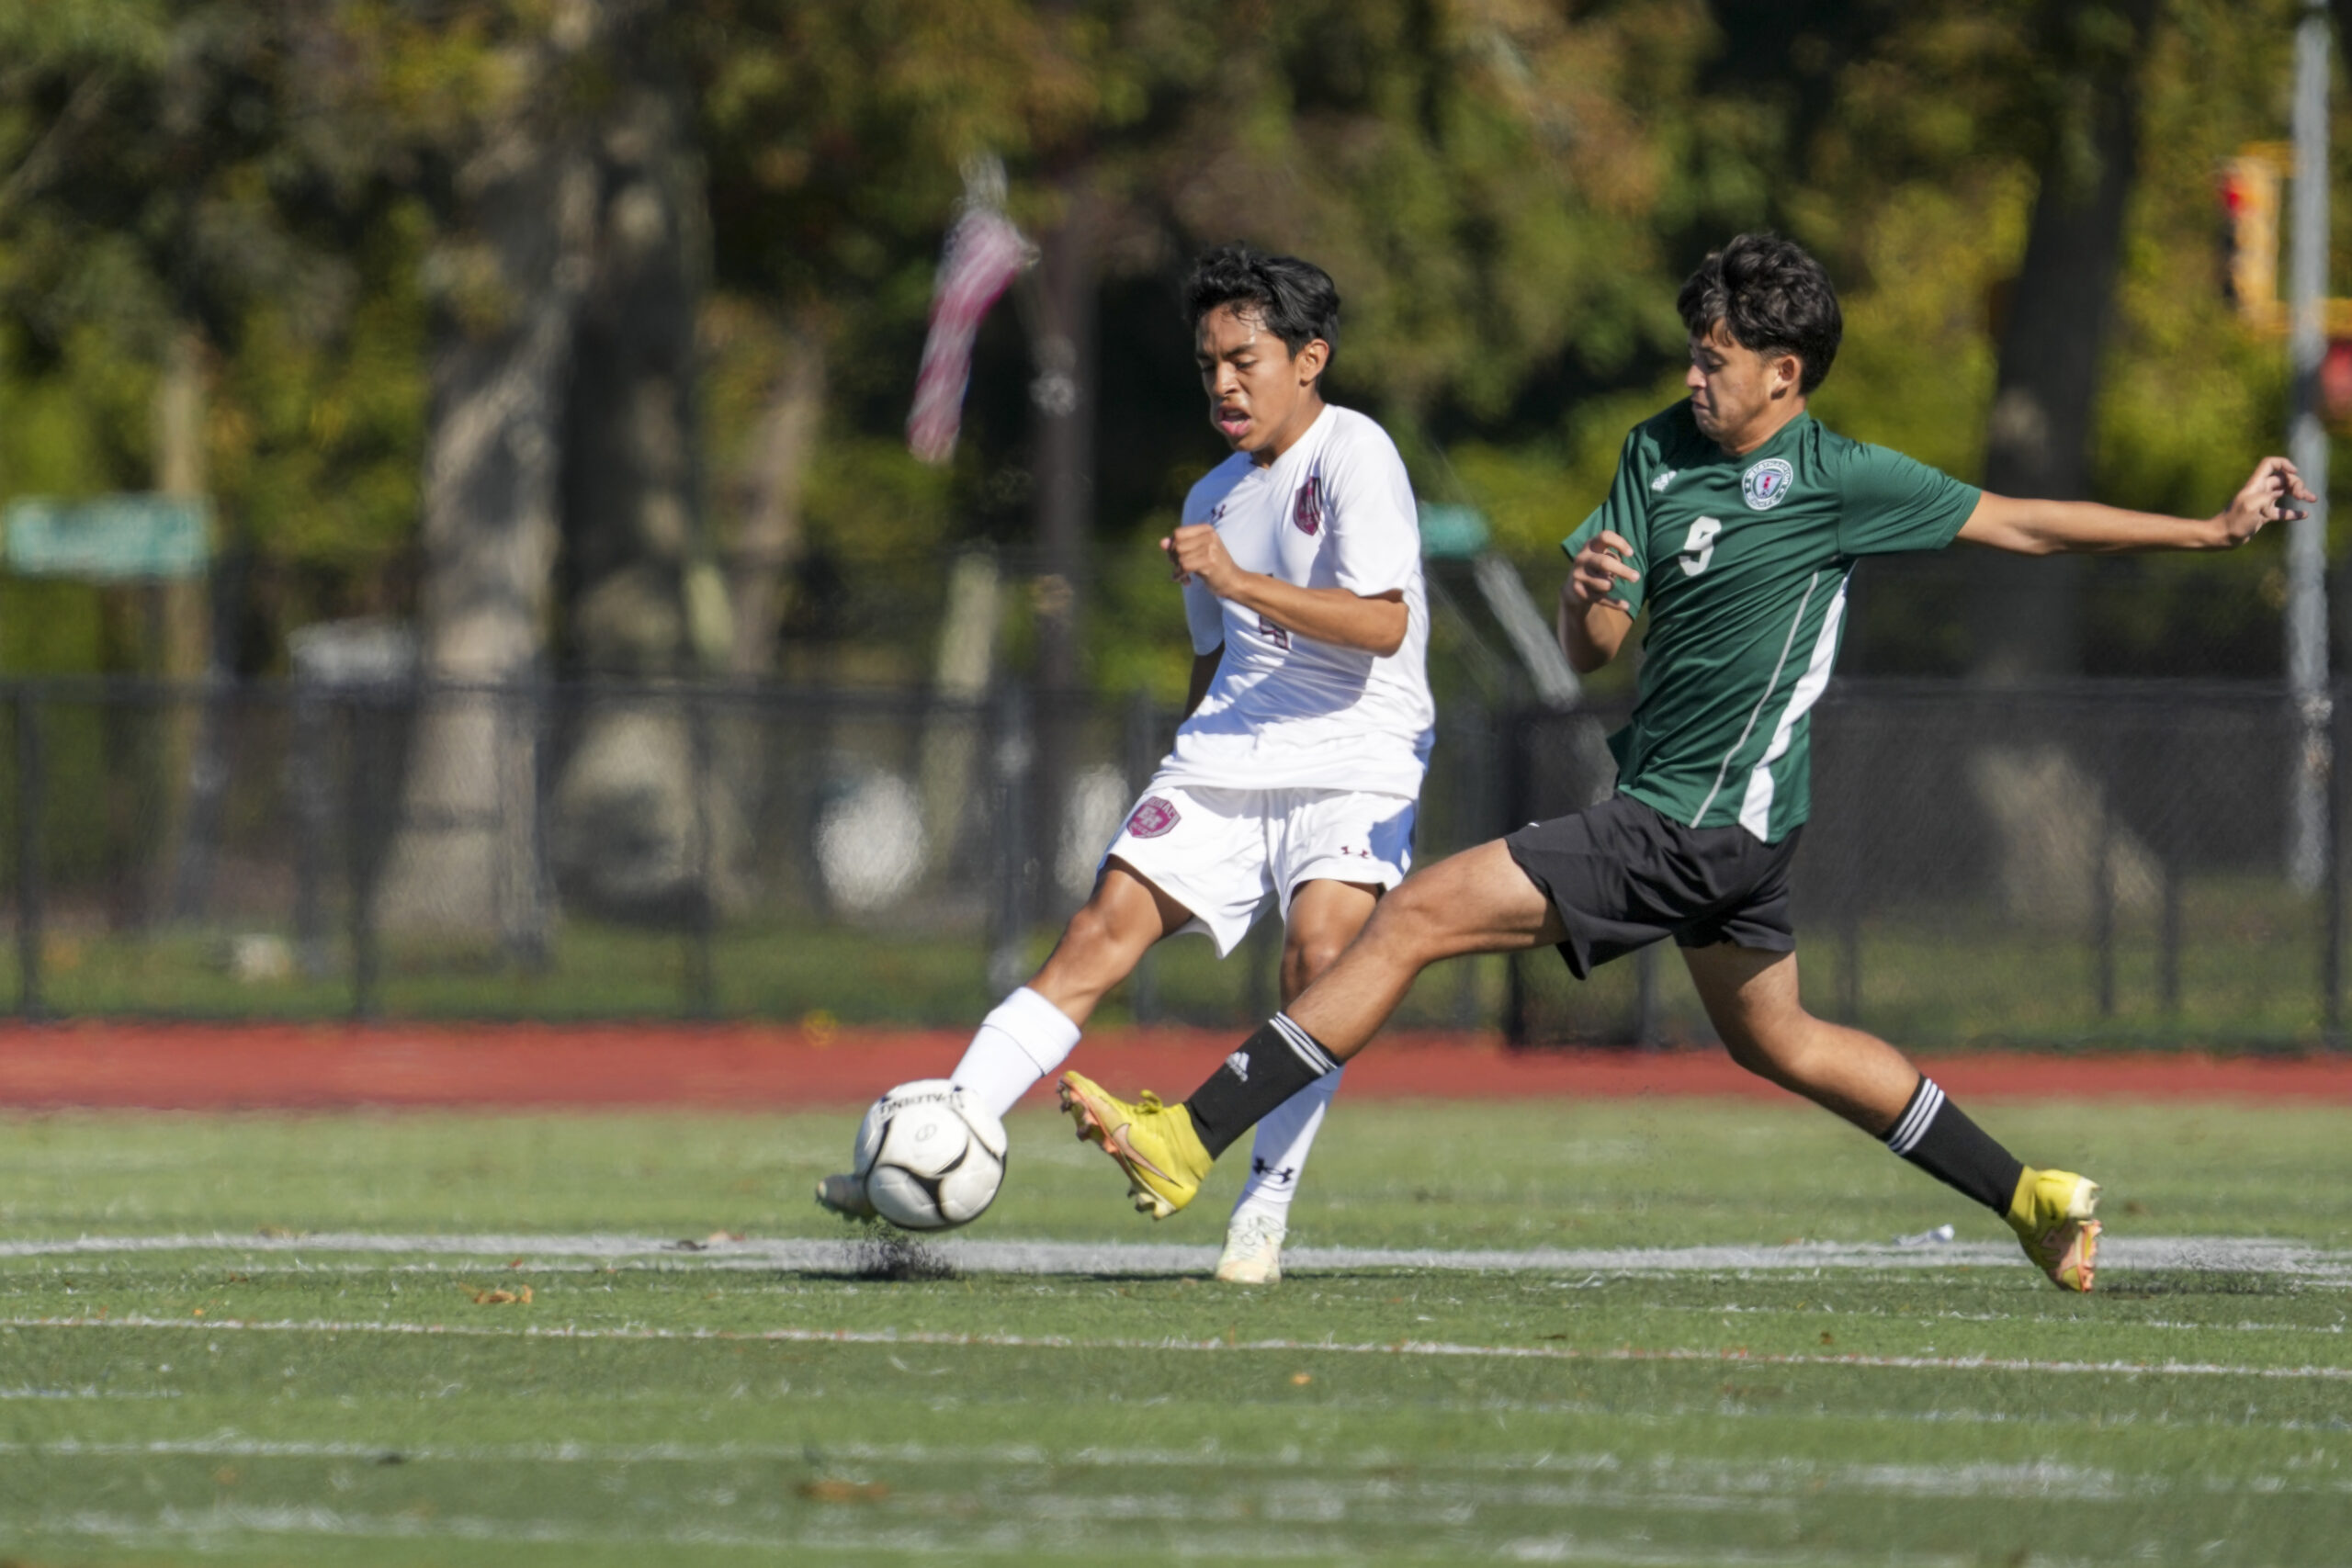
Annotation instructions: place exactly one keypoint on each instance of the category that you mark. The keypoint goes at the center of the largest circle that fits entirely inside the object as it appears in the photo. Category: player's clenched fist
(1194, 550)
(1599, 567)
(2263, 499)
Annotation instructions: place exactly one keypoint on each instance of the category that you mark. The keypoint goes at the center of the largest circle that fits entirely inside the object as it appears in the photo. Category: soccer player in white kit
(1296, 772)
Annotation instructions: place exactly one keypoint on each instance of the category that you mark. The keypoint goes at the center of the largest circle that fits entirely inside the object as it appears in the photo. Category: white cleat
(844, 1195)
(1253, 1250)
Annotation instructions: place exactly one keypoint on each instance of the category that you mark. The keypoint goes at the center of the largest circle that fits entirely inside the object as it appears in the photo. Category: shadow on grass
(2141, 1284)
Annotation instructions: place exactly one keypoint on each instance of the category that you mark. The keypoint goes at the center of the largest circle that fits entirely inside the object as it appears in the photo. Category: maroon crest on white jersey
(1150, 818)
(1308, 513)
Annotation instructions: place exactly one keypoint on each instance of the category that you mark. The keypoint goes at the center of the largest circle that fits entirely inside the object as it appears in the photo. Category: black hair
(1772, 298)
(1294, 299)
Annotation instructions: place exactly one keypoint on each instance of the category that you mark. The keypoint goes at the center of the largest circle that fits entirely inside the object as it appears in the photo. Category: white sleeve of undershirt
(1204, 613)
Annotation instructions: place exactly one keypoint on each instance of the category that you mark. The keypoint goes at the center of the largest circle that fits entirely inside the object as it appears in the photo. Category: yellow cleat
(1156, 1144)
(2051, 1214)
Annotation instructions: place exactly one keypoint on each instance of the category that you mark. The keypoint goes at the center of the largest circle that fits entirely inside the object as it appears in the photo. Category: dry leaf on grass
(844, 1491)
(502, 1298)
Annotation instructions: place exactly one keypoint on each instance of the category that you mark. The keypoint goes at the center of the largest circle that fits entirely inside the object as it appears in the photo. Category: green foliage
(1508, 194)
(216, 171)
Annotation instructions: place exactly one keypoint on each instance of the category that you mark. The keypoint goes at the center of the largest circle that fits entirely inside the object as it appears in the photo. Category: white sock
(1278, 1154)
(1026, 1038)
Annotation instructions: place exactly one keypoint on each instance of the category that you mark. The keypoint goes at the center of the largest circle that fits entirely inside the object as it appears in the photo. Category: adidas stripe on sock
(1273, 1064)
(1937, 1135)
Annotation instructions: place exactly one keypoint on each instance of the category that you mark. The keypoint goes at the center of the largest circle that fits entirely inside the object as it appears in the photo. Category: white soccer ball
(932, 1160)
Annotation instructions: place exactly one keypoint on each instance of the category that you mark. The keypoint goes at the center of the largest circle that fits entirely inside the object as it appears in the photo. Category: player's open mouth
(1235, 422)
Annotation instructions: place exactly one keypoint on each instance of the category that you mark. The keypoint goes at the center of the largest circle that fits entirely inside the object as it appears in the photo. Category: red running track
(769, 1068)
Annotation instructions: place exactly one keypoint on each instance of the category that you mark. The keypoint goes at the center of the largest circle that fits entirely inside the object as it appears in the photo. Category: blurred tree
(195, 215)
(1907, 144)
(513, 260)
(1507, 192)
(2026, 615)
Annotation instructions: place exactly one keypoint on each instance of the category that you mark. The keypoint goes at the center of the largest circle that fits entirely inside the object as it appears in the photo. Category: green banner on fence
(109, 538)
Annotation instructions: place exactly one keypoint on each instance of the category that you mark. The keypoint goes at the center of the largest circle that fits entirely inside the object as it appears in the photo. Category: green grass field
(265, 1390)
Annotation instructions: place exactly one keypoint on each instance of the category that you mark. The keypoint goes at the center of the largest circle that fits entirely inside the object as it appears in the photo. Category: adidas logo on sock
(1239, 1062)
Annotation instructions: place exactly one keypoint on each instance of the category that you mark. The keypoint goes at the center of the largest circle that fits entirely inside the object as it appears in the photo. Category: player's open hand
(2267, 497)
(1599, 567)
(1194, 550)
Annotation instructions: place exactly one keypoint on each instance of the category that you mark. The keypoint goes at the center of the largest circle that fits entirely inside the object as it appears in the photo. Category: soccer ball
(932, 1160)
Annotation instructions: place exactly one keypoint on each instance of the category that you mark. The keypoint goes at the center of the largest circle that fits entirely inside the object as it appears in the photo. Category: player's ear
(1310, 360)
(1787, 374)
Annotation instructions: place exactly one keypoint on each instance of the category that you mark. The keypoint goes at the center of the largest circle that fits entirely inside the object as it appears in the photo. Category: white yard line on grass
(2116, 1254)
(1685, 1476)
(1683, 1480)
(1075, 1537)
(1286, 1346)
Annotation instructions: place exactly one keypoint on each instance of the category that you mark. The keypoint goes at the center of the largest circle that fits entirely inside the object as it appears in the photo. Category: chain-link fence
(2092, 862)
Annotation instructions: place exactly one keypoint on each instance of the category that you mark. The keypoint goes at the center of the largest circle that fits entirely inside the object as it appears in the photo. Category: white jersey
(1285, 711)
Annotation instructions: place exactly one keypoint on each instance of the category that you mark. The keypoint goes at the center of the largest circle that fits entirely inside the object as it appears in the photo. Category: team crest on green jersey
(1766, 484)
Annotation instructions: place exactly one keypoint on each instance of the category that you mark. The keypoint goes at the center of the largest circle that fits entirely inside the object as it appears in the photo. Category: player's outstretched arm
(1592, 626)
(2055, 527)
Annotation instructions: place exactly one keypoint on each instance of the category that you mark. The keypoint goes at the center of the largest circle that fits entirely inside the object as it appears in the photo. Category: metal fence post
(538, 937)
(2168, 940)
(1015, 756)
(702, 1001)
(31, 798)
(2331, 961)
(306, 767)
(1852, 886)
(2103, 911)
(1647, 1027)
(359, 806)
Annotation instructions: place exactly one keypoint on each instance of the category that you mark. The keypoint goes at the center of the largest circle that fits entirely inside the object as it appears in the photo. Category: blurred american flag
(985, 253)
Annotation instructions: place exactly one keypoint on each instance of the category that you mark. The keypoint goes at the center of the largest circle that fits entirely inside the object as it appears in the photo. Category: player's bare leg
(1324, 917)
(1106, 939)
(1752, 997)
(1477, 901)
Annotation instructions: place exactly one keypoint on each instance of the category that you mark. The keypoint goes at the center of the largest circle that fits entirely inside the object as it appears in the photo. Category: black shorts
(1623, 877)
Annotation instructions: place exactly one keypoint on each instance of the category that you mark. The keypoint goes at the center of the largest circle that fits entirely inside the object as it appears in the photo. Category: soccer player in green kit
(1736, 519)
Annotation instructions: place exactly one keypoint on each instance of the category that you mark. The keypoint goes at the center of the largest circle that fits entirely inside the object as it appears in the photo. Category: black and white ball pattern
(932, 1160)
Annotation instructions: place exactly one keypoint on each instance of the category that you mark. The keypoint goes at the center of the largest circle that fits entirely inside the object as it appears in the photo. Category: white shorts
(1222, 852)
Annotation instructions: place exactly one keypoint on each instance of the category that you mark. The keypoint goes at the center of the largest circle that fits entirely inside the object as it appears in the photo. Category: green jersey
(1744, 562)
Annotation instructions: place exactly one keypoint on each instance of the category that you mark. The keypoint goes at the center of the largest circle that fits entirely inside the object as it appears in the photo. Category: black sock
(1936, 1135)
(1272, 1064)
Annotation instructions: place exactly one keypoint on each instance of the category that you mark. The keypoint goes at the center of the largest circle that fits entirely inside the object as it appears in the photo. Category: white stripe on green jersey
(1737, 558)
